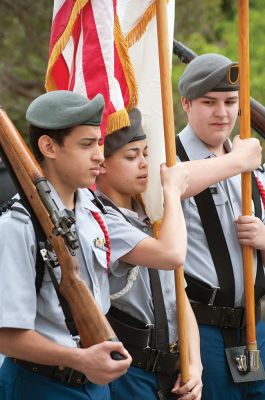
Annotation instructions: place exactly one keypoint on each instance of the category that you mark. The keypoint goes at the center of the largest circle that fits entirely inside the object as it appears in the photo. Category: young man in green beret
(216, 229)
(42, 358)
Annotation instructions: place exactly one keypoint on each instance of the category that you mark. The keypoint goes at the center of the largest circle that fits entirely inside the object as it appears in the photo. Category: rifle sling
(69, 320)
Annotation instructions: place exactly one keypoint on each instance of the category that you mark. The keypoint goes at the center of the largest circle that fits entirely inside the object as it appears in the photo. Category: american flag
(88, 54)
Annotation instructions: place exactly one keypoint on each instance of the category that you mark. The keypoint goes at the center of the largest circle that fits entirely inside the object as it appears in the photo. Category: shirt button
(145, 229)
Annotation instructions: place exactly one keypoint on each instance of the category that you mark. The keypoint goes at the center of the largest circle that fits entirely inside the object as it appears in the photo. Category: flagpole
(170, 147)
(244, 101)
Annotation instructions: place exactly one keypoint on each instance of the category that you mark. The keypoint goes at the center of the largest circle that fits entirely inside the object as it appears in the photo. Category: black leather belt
(130, 330)
(223, 317)
(200, 291)
(153, 360)
(138, 339)
(58, 373)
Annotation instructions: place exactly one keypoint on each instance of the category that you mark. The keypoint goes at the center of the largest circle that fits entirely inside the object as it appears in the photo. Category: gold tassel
(117, 120)
(62, 42)
(139, 29)
(127, 66)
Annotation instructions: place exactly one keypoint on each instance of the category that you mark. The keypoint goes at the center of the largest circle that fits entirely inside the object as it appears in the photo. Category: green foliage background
(204, 26)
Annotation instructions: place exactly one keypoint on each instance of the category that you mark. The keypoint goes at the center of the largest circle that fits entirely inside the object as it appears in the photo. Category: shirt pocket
(194, 225)
(100, 256)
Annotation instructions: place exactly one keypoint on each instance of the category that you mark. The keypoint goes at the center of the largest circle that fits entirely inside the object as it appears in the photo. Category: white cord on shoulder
(132, 276)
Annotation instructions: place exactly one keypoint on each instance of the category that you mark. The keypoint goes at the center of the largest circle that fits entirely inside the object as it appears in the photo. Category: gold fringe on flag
(139, 29)
(62, 42)
(117, 120)
(127, 66)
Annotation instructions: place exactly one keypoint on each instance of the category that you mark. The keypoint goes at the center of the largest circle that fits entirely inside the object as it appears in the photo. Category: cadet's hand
(248, 151)
(251, 232)
(192, 390)
(174, 178)
(98, 366)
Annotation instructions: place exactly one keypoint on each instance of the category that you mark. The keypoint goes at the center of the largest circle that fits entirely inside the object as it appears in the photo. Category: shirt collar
(137, 211)
(83, 199)
(195, 148)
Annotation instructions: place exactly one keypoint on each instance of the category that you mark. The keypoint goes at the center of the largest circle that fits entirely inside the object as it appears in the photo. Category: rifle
(257, 110)
(91, 324)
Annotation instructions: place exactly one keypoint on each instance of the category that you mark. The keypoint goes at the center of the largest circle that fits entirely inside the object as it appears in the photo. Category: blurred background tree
(204, 26)
(24, 36)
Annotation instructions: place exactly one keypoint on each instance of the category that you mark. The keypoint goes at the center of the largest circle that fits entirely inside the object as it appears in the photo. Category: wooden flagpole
(244, 101)
(170, 147)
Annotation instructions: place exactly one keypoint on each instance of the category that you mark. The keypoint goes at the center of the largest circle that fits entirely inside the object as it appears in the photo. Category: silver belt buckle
(174, 347)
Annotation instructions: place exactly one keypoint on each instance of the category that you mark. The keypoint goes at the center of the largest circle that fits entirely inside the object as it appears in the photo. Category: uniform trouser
(136, 384)
(16, 383)
(217, 380)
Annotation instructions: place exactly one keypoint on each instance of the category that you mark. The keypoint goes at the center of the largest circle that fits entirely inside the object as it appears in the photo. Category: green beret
(207, 73)
(62, 109)
(117, 139)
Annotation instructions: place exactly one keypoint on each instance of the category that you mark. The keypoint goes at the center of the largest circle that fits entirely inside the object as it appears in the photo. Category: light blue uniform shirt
(138, 301)
(19, 305)
(227, 198)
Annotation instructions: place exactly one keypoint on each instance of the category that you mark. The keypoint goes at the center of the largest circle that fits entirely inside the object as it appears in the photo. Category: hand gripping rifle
(91, 324)
(257, 110)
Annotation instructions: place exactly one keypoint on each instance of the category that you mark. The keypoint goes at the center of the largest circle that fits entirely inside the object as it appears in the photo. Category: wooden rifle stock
(91, 324)
(257, 110)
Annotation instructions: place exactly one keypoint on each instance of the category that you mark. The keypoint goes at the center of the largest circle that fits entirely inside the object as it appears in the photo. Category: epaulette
(19, 212)
(4, 207)
(16, 208)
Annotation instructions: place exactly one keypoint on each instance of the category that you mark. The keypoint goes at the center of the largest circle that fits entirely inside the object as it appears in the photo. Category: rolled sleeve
(123, 236)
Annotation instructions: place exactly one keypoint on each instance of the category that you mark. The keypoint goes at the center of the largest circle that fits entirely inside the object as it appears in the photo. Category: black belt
(202, 292)
(223, 317)
(130, 330)
(154, 360)
(58, 373)
(138, 339)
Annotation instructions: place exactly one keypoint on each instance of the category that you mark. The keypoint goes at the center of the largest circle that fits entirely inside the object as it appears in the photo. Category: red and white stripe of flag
(84, 57)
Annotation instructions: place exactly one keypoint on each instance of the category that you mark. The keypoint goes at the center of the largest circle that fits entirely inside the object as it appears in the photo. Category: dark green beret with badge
(117, 139)
(208, 73)
(62, 109)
